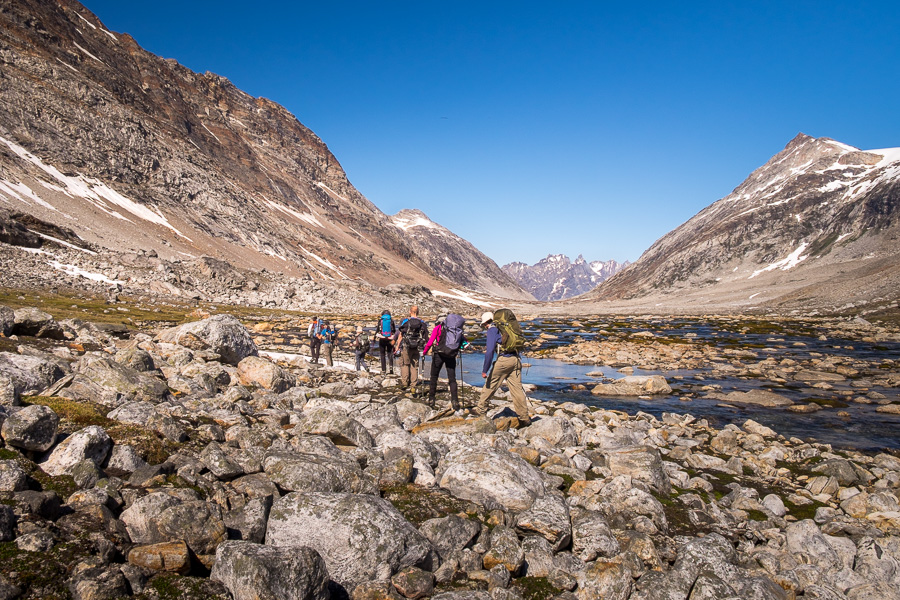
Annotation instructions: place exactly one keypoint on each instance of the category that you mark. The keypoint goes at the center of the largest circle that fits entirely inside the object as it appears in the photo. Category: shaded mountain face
(453, 258)
(817, 224)
(134, 152)
(557, 278)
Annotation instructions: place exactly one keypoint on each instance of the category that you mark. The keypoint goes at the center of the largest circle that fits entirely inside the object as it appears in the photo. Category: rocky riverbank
(181, 463)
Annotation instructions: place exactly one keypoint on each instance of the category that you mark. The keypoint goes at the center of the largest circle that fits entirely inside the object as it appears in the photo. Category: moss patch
(80, 414)
(41, 575)
(418, 504)
(178, 587)
(536, 588)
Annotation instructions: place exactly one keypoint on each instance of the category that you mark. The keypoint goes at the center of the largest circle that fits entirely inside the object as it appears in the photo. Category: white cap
(488, 316)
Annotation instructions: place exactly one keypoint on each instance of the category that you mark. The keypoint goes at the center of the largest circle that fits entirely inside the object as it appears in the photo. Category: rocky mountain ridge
(816, 227)
(138, 153)
(557, 278)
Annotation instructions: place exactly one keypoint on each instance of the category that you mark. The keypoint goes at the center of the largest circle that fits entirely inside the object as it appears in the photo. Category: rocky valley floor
(168, 452)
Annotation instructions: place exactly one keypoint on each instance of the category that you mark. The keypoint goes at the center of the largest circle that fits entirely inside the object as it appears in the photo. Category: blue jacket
(493, 339)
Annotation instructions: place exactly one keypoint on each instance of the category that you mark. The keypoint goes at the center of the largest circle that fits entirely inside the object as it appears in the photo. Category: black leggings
(439, 360)
(386, 349)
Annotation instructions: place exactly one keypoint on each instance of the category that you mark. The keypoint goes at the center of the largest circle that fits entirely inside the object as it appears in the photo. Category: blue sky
(532, 128)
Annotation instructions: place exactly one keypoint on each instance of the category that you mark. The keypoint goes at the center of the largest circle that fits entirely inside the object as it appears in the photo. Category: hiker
(315, 341)
(507, 367)
(385, 334)
(413, 333)
(361, 348)
(446, 339)
(328, 335)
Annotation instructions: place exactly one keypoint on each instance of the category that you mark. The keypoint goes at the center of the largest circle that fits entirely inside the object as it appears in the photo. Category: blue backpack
(387, 325)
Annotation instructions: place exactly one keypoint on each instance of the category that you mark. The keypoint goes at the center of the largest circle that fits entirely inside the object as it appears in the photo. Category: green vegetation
(41, 574)
(418, 504)
(536, 588)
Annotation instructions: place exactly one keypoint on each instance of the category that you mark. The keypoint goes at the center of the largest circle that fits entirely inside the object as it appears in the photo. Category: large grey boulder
(142, 517)
(549, 518)
(641, 463)
(91, 443)
(337, 427)
(634, 385)
(449, 534)
(260, 372)
(591, 535)
(758, 397)
(29, 373)
(261, 572)
(125, 381)
(32, 428)
(806, 542)
(33, 322)
(198, 523)
(557, 431)
(491, 476)
(361, 537)
(301, 472)
(136, 413)
(12, 477)
(223, 334)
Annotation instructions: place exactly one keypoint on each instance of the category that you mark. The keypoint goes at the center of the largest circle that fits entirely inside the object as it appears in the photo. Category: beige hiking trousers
(508, 369)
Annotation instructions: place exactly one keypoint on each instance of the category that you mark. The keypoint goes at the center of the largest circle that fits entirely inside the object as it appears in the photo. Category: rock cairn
(186, 463)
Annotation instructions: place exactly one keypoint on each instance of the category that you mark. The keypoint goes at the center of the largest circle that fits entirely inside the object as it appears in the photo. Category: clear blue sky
(531, 128)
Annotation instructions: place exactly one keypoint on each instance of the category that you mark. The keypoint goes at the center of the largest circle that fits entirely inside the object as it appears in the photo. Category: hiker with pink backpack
(446, 340)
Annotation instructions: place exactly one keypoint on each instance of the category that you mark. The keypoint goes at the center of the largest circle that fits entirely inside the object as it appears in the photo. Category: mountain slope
(135, 152)
(556, 277)
(816, 225)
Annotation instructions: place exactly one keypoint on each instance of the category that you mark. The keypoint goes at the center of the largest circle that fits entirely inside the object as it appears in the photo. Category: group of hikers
(411, 340)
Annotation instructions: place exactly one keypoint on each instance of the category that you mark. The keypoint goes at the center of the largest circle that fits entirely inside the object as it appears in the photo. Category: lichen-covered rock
(634, 385)
(91, 443)
(198, 523)
(12, 477)
(607, 580)
(219, 464)
(491, 476)
(31, 321)
(449, 534)
(591, 535)
(301, 472)
(7, 523)
(98, 583)
(222, 334)
(361, 537)
(117, 378)
(137, 359)
(413, 583)
(557, 431)
(172, 557)
(142, 517)
(505, 550)
(339, 428)
(641, 463)
(32, 428)
(262, 572)
(29, 373)
(549, 518)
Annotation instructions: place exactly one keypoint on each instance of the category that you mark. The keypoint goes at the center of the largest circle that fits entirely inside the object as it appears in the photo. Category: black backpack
(414, 332)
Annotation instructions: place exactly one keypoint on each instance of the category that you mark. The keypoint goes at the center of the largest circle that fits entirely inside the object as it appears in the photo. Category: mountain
(453, 258)
(557, 278)
(817, 226)
(136, 153)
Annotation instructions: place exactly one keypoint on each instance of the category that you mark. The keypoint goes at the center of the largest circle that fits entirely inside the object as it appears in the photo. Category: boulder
(259, 372)
(505, 550)
(33, 322)
(172, 557)
(262, 572)
(361, 537)
(111, 376)
(12, 477)
(137, 359)
(449, 534)
(197, 522)
(7, 320)
(142, 517)
(549, 518)
(29, 373)
(557, 431)
(491, 476)
(607, 580)
(758, 397)
(301, 472)
(222, 334)
(339, 428)
(634, 385)
(641, 463)
(32, 428)
(591, 535)
(91, 443)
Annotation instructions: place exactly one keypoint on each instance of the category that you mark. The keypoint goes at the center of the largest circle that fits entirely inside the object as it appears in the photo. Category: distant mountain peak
(555, 277)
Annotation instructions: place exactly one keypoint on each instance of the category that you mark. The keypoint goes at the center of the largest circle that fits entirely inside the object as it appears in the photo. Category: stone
(591, 535)
(774, 504)
(634, 385)
(361, 537)
(752, 426)
(449, 534)
(265, 572)
(758, 397)
(37, 541)
(607, 580)
(804, 540)
(136, 413)
(260, 372)
(7, 523)
(196, 522)
(841, 469)
(219, 464)
(414, 583)
(168, 427)
(91, 443)
(7, 320)
(505, 550)
(137, 359)
(28, 373)
(248, 522)
(171, 557)
(120, 379)
(99, 583)
(557, 431)
(549, 518)
(124, 458)
(301, 472)
(32, 428)
(641, 463)
(222, 334)
(36, 323)
(491, 476)
(12, 477)
(337, 427)
(142, 517)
